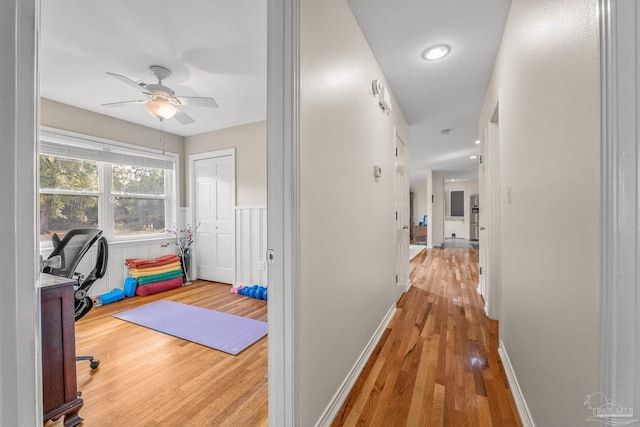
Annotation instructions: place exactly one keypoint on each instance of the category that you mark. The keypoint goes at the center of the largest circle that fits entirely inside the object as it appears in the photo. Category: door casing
(193, 158)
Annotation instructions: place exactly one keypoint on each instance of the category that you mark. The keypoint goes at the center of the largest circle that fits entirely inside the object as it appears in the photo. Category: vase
(186, 264)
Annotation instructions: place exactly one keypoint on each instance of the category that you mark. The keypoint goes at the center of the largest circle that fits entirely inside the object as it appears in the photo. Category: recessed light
(477, 141)
(436, 52)
(473, 157)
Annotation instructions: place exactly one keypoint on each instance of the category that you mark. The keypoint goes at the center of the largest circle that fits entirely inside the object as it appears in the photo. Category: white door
(215, 216)
(494, 278)
(402, 219)
(490, 250)
(483, 214)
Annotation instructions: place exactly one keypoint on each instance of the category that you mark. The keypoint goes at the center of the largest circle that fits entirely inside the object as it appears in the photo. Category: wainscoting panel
(251, 246)
(116, 269)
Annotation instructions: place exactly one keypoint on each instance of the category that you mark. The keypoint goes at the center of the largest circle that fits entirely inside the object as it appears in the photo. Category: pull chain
(162, 135)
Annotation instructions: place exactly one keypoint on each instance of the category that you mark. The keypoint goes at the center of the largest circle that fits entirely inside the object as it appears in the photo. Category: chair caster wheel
(94, 364)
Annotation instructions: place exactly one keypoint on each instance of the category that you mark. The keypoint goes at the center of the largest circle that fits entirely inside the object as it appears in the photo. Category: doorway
(213, 182)
(402, 218)
(225, 262)
(490, 206)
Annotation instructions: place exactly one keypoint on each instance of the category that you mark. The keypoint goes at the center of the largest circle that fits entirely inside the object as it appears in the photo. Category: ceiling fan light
(160, 109)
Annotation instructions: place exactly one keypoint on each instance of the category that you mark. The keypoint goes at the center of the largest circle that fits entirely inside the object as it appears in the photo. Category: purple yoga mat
(222, 331)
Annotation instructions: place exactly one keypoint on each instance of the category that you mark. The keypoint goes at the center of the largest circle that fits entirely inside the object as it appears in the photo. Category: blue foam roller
(112, 296)
(130, 285)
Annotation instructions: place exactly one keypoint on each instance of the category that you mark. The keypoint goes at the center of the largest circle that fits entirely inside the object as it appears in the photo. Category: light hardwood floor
(437, 363)
(147, 378)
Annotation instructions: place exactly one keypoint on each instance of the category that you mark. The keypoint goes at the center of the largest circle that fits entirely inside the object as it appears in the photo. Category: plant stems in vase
(184, 240)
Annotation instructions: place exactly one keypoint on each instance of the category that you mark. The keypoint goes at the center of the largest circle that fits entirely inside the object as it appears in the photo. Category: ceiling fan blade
(128, 81)
(200, 101)
(183, 117)
(123, 103)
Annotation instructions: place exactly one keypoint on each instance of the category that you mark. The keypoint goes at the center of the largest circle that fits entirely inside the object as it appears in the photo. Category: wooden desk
(419, 233)
(59, 387)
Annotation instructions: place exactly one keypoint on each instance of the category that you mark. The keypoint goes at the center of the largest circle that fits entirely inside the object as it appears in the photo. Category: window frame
(448, 215)
(105, 194)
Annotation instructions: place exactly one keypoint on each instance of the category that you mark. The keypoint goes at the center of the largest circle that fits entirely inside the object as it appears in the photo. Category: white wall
(546, 80)
(461, 226)
(250, 142)
(347, 219)
(420, 207)
(436, 219)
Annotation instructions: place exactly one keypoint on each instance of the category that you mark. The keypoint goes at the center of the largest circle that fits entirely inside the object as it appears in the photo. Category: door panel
(224, 258)
(223, 196)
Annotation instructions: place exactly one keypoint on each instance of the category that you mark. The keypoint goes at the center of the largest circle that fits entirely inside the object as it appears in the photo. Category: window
(68, 195)
(89, 183)
(138, 200)
(454, 204)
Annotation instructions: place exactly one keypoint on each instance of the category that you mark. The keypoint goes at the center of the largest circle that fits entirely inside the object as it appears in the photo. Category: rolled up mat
(159, 277)
(150, 263)
(139, 275)
(134, 272)
(155, 268)
(154, 288)
(132, 261)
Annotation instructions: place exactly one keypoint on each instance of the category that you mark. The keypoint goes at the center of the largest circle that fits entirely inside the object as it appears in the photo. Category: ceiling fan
(162, 102)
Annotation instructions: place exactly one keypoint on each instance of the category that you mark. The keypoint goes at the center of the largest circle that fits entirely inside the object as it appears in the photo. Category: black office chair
(71, 249)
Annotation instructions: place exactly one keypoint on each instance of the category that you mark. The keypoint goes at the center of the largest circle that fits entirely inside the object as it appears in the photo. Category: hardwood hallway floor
(437, 363)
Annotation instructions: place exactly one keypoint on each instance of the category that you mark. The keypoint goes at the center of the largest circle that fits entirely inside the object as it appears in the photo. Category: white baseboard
(521, 403)
(341, 395)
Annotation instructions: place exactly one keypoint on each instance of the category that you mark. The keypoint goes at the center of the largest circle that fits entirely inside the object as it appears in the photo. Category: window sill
(135, 241)
(123, 241)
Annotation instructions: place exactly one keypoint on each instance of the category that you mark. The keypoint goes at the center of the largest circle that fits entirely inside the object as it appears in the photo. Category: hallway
(437, 363)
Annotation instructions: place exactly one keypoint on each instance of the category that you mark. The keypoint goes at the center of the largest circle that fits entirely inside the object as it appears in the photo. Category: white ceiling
(218, 48)
(445, 94)
(213, 48)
